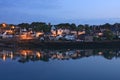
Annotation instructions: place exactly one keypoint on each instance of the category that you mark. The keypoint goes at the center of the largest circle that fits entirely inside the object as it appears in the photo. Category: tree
(80, 27)
(72, 26)
(40, 26)
(87, 29)
(24, 25)
(0, 25)
(107, 26)
(64, 26)
(108, 34)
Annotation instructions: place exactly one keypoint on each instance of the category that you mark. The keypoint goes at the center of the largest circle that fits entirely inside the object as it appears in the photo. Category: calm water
(66, 64)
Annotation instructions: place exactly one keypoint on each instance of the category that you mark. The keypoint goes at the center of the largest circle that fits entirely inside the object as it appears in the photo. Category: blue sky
(60, 11)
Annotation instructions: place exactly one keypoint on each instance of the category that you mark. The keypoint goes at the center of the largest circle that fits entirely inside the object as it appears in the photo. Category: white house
(70, 37)
(7, 34)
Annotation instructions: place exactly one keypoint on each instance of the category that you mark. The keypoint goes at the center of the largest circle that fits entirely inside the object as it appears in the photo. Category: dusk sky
(60, 11)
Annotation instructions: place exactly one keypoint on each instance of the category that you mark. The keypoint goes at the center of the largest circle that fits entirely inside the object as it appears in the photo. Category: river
(63, 64)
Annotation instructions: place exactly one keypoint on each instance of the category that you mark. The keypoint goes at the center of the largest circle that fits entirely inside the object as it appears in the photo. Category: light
(100, 34)
(39, 34)
(100, 53)
(12, 27)
(38, 54)
(25, 37)
(60, 32)
(26, 52)
(9, 31)
(4, 57)
(4, 25)
(23, 52)
(11, 55)
(54, 33)
(80, 33)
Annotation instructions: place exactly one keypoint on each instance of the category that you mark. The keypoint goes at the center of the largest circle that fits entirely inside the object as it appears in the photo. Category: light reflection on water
(26, 55)
(64, 64)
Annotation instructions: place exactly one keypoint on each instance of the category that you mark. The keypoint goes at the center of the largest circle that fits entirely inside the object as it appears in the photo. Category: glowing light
(12, 27)
(25, 37)
(39, 33)
(9, 31)
(100, 53)
(59, 32)
(4, 25)
(80, 33)
(38, 54)
(4, 57)
(26, 52)
(54, 33)
(11, 55)
(100, 34)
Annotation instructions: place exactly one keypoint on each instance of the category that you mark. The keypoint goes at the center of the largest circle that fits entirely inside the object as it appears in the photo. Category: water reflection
(26, 55)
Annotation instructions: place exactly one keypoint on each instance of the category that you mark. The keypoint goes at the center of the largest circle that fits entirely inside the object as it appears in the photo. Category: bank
(58, 44)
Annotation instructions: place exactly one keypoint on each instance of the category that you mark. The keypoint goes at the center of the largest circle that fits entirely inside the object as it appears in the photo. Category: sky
(60, 11)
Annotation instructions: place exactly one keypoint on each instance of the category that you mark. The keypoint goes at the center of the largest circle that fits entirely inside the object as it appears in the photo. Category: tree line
(42, 26)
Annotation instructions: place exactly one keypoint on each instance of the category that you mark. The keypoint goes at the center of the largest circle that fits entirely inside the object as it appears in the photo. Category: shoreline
(59, 44)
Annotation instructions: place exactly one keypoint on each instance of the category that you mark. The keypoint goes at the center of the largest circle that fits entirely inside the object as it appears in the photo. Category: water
(64, 64)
